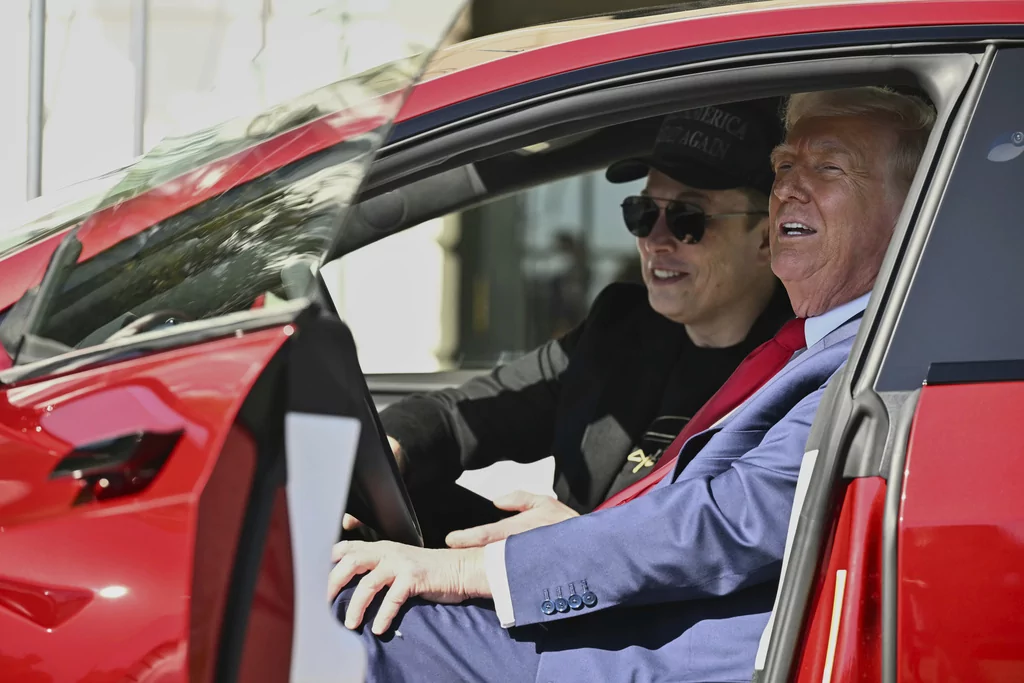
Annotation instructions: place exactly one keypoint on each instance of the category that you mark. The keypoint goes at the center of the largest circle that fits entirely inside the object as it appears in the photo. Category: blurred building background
(117, 76)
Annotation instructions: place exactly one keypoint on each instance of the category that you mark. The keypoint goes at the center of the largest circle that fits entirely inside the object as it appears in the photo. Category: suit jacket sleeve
(720, 527)
(508, 414)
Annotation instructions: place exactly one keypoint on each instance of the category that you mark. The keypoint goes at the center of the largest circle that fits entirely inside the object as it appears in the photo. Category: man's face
(833, 209)
(694, 283)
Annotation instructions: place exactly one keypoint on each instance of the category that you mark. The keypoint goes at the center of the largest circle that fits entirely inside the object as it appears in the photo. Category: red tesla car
(182, 408)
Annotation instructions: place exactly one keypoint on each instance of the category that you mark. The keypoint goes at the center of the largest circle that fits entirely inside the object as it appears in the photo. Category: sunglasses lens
(640, 214)
(685, 223)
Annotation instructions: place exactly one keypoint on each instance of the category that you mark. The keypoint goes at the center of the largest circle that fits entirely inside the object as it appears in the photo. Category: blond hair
(911, 117)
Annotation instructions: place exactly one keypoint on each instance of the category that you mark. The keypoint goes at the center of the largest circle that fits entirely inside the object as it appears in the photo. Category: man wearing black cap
(608, 397)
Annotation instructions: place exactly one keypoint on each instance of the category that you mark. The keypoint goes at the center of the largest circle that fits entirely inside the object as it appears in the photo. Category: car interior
(445, 171)
(476, 161)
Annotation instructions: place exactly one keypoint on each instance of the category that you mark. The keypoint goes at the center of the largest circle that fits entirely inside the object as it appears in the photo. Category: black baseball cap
(712, 148)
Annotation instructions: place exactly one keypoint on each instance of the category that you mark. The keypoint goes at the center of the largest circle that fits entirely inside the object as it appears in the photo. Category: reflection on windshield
(55, 212)
(352, 99)
(225, 255)
(233, 218)
(175, 156)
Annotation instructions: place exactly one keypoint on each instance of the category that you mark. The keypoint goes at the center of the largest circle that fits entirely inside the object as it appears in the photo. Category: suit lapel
(699, 439)
(800, 357)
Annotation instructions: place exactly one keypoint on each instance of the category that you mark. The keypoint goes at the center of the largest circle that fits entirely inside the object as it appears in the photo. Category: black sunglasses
(685, 221)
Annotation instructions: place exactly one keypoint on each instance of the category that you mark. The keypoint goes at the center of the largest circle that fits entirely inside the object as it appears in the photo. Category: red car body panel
(961, 537)
(144, 576)
(742, 23)
(854, 651)
(220, 514)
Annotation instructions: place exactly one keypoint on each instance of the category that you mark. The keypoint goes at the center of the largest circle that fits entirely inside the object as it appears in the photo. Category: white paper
(321, 452)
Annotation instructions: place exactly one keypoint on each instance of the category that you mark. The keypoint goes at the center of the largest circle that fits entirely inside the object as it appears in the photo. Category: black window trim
(437, 145)
(975, 372)
(625, 70)
(573, 111)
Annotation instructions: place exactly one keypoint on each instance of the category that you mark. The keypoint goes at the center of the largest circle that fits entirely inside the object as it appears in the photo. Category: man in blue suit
(676, 584)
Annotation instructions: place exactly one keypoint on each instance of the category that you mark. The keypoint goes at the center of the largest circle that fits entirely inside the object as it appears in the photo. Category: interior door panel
(843, 641)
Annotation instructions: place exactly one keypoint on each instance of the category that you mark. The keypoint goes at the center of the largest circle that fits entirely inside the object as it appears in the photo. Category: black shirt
(696, 376)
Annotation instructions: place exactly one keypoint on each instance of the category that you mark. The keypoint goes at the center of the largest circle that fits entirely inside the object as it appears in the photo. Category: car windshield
(234, 218)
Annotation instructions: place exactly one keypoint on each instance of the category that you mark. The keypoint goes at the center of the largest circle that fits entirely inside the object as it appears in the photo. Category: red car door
(165, 379)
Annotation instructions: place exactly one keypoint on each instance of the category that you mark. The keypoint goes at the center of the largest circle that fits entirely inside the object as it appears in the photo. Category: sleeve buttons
(575, 601)
(561, 604)
(589, 598)
(547, 607)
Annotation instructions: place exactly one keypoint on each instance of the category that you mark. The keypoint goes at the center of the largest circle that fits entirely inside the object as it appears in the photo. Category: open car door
(180, 412)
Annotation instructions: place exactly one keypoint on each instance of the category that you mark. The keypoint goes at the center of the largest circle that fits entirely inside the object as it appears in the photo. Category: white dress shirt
(818, 327)
(815, 329)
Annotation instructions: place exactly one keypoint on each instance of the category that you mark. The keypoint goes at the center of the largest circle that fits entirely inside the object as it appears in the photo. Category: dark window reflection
(224, 255)
(532, 264)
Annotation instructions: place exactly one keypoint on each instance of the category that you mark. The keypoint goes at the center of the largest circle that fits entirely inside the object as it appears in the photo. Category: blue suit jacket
(684, 576)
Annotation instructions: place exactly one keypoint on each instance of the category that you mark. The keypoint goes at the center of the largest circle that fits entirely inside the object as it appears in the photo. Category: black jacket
(585, 398)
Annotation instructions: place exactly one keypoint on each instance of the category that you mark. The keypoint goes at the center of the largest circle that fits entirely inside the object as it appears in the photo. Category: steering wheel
(143, 323)
(377, 495)
(326, 379)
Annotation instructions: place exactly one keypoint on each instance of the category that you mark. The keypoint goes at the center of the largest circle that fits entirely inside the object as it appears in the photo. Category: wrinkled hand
(348, 522)
(446, 576)
(534, 511)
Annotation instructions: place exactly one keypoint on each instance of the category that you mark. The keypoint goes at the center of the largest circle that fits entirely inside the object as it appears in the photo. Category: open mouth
(665, 276)
(796, 229)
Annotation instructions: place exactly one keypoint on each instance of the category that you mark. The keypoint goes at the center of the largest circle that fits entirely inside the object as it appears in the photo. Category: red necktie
(756, 369)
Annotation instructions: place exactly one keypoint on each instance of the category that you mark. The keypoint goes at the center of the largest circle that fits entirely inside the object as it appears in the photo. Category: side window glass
(964, 302)
(485, 285)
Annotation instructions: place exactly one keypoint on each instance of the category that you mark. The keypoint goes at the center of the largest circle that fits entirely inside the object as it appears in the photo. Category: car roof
(496, 62)
(471, 53)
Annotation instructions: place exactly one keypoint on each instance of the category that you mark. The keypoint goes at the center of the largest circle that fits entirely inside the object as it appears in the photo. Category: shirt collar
(818, 327)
